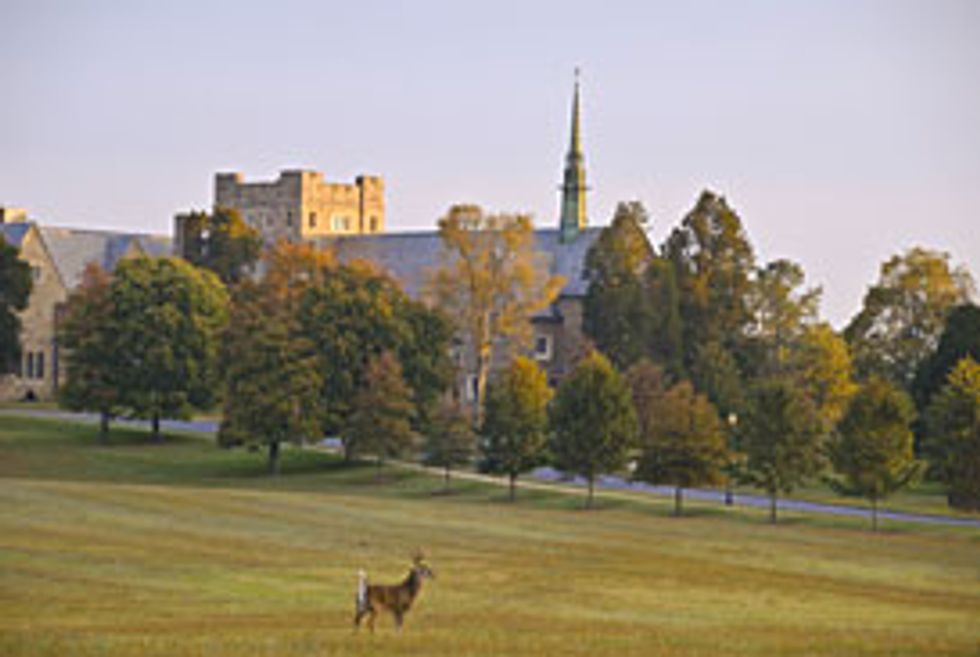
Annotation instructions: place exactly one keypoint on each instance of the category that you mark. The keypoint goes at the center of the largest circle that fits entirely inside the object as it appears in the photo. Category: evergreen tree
(953, 434)
(617, 313)
(272, 382)
(781, 437)
(593, 421)
(382, 412)
(88, 333)
(872, 451)
(960, 338)
(15, 290)
(449, 441)
(515, 421)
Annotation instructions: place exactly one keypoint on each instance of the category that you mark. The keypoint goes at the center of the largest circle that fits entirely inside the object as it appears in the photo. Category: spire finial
(573, 217)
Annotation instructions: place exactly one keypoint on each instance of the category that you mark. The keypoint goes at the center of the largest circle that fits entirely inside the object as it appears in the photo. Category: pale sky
(841, 131)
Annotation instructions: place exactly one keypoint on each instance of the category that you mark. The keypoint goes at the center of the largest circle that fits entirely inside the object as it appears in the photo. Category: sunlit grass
(183, 549)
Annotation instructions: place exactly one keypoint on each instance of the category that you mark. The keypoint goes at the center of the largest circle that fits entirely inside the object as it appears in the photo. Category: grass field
(183, 549)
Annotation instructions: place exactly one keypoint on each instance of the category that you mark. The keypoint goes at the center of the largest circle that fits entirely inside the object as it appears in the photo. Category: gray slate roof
(72, 249)
(410, 257)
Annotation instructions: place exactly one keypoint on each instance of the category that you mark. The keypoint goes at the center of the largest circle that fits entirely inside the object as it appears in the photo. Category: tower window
(313, 220)
(374, 224)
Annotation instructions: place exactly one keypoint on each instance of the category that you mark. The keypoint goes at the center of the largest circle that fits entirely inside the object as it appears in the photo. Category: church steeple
(573, 188)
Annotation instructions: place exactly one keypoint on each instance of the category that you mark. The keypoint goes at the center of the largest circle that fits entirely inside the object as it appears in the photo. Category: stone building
(57, 257)
(558, 340)
(300, 205)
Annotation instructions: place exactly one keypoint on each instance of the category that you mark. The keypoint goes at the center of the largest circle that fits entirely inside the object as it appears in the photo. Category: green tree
(449, 440)
(170, 316)
(713, 262)
(617, 312)
(88, 334)
(515, 424)
(781, 312)
(665, 344)
(593, 421)
(491, 282)
(821, 363)
(903, 314)
(960, 338)
(220, 241)
(382, 411)
(953, 434)
(781, 437)
(15, 290)
(872, 451)
(352, 313)
(682, 443)
(272, 381)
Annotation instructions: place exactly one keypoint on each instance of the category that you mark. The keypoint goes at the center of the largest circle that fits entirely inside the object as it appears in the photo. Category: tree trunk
(155, 427)
(445, 480)
(678, 498)
(513, 486)
(377, 471)
(274, 458)
(104, 426)
(772, 508)
(874, 513)
(482, 368)
(588, 500)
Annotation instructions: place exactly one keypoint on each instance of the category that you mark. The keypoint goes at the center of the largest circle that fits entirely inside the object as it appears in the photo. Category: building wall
(300, 204)
(38, 326)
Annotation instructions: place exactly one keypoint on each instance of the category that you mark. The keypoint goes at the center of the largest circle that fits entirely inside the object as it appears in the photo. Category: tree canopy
(515, 423)
(169, 316)
(272, 380)
(593, 421)
(960, 338)
(220, 241)
(904, 313)
(953, 434)
(683, 443)
(872, 450)
(491, 281)
(89, 333)
(631, 308)
(15, 290)
(382, 411)
(781, 434)
(352, 313)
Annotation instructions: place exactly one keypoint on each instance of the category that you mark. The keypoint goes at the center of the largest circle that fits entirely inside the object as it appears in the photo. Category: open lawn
(183, 549)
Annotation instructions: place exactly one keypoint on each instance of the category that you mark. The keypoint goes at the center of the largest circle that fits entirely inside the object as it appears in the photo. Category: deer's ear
(419, 556)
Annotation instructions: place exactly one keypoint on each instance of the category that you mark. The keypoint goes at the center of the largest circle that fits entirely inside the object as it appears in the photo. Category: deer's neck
(413, 584)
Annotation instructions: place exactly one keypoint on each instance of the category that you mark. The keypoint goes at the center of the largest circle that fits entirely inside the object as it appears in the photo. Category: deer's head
(420, 568)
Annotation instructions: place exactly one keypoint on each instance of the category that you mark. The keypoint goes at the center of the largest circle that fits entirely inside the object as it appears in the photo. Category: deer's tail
(361, 589)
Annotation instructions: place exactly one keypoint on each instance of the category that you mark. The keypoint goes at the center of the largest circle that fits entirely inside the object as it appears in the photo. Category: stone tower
(573, 218)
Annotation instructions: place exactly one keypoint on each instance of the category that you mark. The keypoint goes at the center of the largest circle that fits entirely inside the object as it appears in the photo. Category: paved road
(552, 480)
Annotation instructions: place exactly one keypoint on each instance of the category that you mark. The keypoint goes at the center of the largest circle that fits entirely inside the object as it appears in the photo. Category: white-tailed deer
(394, 598)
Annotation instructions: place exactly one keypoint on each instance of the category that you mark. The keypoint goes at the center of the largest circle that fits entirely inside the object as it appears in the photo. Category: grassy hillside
(183, 549)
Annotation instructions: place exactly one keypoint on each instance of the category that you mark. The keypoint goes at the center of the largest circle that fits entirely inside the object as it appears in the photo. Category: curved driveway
(557, 482)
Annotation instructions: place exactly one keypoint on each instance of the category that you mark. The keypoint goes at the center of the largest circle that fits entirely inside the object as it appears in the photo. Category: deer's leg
(370, 620)
(399, 617)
